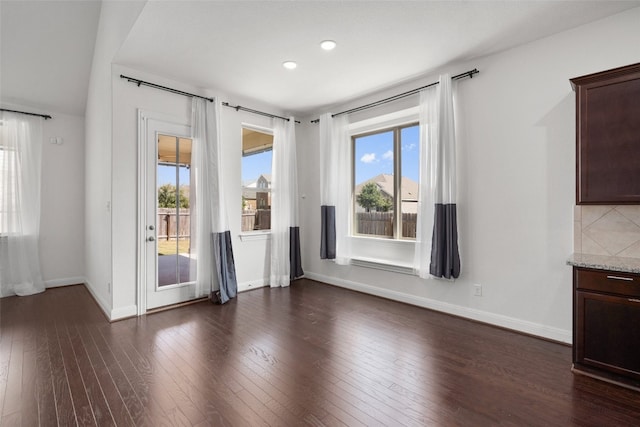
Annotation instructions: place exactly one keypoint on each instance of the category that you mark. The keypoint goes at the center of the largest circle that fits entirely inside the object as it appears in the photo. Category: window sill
(383, 254)
(256, 235)
(383, 264)
(375, 238)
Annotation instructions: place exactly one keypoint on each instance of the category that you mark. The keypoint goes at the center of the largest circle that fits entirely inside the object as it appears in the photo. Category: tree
(385, 204)
(371, 198)
(167, 197)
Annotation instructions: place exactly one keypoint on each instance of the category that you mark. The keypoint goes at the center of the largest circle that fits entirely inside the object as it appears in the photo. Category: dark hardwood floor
(311, 354)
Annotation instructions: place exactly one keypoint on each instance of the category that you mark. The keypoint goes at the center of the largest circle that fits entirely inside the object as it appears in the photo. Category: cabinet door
(608, 333)
(608, 136)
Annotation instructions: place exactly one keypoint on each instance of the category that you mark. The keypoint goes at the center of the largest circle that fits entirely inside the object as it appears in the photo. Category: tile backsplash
(607, 230)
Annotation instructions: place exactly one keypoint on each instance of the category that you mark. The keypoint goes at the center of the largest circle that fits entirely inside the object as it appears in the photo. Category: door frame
(144, 116)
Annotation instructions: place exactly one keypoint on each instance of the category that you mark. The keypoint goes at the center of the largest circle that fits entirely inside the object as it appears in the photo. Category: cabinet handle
(626, 279)
(634, 300)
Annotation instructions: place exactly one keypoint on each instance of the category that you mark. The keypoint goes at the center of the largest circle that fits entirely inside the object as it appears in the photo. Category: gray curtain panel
(294, 253)
(225, 265)
(328, 232)
(445, 258)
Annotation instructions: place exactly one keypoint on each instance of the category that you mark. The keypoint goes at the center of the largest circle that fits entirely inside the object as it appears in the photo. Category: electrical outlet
(477, 290)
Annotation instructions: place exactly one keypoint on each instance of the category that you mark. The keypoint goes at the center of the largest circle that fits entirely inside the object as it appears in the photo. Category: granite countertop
(601, 262)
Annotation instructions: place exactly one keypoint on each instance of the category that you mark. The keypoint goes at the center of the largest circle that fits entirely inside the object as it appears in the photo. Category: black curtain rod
(168, 89)
(45, 116)
(262, 113)
(180, 92)
(469, 74)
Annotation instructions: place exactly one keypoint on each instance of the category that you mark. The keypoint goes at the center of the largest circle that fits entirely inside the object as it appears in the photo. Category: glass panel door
(176, 265)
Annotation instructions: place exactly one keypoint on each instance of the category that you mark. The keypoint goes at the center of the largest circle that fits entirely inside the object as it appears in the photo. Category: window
(8, 185)
(257, 150)
(385, 166)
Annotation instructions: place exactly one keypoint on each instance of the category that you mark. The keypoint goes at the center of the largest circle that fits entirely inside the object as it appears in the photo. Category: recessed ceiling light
(289, 65)
(328, 45)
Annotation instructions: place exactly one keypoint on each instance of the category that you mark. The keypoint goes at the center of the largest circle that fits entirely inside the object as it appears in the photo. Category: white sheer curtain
(215, 271)
(285, 232)
(335, 188)
(436, 250)
(20, 183)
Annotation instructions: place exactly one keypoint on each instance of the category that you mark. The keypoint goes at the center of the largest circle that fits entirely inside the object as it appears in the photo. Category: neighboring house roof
(385, 184)
(250, 188)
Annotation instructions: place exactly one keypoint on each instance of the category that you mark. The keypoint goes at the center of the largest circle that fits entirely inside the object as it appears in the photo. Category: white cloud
(388, 155)
(409, 147)
(368, 158)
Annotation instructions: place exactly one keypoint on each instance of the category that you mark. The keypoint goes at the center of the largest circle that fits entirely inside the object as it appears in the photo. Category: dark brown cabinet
(606, 333)
(608, 136)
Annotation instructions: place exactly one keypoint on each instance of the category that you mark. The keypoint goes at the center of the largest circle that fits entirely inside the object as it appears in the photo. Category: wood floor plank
(193, 368)
(47, 414)
(204, 392)
(115, 401)
(29, 399)
(61, 391)
(340, 400)
(311, 354)
(340, 397)
(136, 408)
(100, 410)
(14, 379)
(81, 404)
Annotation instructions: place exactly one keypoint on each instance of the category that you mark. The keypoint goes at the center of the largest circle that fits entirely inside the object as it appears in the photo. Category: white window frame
(253, 234)
(395, 255)
(397, 180)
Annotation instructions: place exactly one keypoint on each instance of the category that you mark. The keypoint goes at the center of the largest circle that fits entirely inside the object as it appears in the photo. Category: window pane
(257, 150)
(374, 185)
(8, 185)
(175, 261)
(410, 161)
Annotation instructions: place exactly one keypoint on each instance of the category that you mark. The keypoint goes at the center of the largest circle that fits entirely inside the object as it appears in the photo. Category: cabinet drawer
(612, 282)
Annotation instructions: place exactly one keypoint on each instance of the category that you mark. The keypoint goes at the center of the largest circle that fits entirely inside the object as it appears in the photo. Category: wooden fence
(381, 223)
(256, 220)
(171, 227)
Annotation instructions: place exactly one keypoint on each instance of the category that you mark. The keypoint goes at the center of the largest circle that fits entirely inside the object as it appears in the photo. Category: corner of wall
(104, 305)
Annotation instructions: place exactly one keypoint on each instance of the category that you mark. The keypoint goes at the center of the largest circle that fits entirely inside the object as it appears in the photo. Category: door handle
(151, 239)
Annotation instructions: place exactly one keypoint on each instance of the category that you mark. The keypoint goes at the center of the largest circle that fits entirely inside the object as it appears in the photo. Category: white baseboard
(512, 323)
(64, 282)
(106, 308)
(252, 284)
(124, 312)
(112, 313)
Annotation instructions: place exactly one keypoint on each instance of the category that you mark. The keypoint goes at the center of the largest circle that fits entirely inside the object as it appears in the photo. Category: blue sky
(167, 175)
(255, 165)
(374, 154)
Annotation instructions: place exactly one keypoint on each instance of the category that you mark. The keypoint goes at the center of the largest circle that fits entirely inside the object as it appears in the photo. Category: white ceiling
(46, 50)
(237, 47)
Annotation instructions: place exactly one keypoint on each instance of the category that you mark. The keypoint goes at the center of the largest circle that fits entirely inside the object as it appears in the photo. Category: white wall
(516, 153)
(62, 219)
(116, 19)
(62, 198)
(250, 256)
